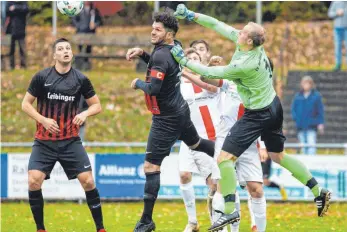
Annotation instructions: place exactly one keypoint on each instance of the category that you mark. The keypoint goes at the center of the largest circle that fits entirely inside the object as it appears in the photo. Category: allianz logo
(115, 170)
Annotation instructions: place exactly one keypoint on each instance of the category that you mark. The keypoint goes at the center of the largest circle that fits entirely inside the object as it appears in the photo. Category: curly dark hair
(168, 20)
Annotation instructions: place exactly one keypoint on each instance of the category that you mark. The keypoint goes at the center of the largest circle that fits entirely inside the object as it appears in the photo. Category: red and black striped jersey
(58, 96)
(162, 85)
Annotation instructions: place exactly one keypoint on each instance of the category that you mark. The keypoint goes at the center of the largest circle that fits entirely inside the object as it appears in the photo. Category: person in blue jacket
(308, 114)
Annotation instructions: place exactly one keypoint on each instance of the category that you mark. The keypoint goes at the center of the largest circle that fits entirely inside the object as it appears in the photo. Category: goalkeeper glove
(178, 53)
(182, 12)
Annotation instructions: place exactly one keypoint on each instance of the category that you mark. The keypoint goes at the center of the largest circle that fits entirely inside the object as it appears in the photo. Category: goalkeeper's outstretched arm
(225, 30)
(216, 72)
(218, 26)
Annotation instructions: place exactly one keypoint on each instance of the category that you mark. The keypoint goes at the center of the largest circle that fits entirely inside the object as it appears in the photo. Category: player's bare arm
(216, 72)
(214, 61)
(196, 80)
(48, 123)
(93, 109)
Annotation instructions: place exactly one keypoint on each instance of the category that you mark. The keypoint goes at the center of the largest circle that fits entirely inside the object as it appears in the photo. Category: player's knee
(34, 182)
(225, 156)
(276, 157)
(149, 167)
(88, 184)
(185, 177)
(255, 190)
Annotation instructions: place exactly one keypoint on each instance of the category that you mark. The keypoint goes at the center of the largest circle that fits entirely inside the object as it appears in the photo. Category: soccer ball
(70, 8)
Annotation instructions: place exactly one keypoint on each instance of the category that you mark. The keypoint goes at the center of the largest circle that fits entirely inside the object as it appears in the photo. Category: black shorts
(70, 153)
(165, 131)
(266, 123)
(266, 166)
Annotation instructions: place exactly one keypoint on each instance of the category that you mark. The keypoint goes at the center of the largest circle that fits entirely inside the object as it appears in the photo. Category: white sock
(235, 227)
(188, 194)
(259, 210)
(249, 200)
(218, 204)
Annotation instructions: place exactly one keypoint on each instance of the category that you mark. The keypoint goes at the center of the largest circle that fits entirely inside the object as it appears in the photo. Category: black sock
(36, 205)
(151, 192)
(94, 203)
(273, 185)
(206, 146)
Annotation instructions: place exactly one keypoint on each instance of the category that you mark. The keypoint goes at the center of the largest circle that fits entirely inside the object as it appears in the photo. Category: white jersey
(248, 166)
(204, 108)
(205, 115)
(232, 108)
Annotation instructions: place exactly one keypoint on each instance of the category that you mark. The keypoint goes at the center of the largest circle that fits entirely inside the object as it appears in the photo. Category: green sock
(228, 183)
(299, 171)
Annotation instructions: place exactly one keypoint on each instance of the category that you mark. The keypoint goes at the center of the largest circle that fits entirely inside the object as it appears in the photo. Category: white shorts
(248, 165)
(197, 162)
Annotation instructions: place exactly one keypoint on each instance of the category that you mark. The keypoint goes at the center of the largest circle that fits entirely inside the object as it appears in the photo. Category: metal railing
(176, 145)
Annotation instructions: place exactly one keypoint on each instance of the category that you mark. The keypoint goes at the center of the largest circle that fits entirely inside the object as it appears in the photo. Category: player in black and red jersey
(58, 90)
(171, 115)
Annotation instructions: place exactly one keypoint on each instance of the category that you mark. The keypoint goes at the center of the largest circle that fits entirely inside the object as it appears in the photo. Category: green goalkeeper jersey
(250, 70)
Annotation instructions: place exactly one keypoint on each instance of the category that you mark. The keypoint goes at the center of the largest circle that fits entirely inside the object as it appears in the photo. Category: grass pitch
(168, 216)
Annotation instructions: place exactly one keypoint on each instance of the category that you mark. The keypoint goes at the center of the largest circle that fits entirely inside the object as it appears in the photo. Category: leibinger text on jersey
(59, 96)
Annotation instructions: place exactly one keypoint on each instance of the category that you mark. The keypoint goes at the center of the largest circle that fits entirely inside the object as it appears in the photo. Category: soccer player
(58, 90)
(248, 166)
(171, 116)
(204, 108)
(251, 72)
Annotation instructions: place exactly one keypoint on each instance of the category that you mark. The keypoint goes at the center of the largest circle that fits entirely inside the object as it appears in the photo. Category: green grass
(169, 216)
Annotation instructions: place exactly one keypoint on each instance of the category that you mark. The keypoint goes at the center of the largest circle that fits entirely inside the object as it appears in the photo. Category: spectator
(17, 12)
(308, 114)
(86, 22)
(338, 12)
(83, 105)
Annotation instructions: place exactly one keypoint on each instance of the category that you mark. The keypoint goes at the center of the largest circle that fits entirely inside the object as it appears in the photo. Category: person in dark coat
(17, 13)
(86, 22)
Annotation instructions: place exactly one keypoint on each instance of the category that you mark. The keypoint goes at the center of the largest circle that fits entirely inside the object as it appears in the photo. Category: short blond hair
(257, 35)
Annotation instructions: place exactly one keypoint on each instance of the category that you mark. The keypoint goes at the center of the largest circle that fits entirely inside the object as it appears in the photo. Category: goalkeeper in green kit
(250, 70)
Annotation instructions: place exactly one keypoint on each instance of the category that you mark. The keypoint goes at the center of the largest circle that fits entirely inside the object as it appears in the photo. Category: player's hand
(178, 53)
(339, 12)
(215, 60)
(132, 52)
(182, 12)
(133, 83)
(80, 118)
(51, 125)
(263, 155)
